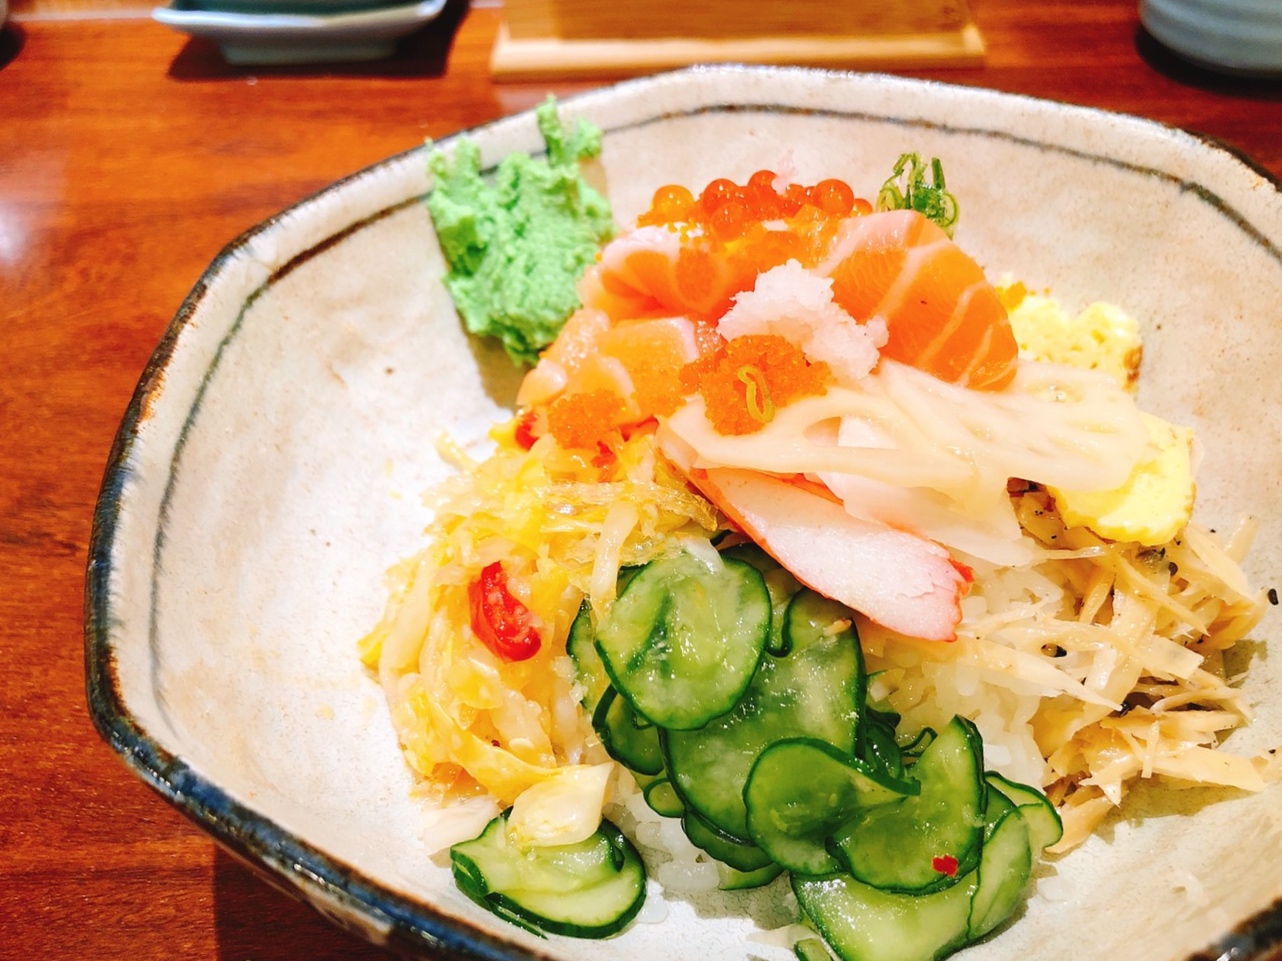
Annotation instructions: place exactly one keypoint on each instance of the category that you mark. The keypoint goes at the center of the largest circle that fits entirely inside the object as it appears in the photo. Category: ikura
(729, 210)
(499, 619)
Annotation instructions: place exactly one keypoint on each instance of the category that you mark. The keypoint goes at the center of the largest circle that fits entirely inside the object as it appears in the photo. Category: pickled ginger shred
(470, 722)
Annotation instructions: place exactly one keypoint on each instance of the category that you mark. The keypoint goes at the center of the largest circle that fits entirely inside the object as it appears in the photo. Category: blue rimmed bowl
(268, 471)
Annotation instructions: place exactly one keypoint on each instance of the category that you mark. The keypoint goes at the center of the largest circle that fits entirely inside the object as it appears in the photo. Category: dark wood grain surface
(129, 155)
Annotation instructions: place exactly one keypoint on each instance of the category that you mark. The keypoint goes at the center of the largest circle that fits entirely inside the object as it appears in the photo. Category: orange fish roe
(748, 379)
(728, 211)
(584, 420)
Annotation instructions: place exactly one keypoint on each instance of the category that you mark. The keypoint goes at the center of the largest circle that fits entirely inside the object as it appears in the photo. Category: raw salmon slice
(653, 353)
(654, 271)
(942, 314)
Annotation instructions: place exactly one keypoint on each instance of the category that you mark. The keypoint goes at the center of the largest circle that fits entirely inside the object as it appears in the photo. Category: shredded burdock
(1100, 663)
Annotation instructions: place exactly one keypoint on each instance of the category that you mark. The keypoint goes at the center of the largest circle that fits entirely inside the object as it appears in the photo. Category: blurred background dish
(1235, 36)
(301, 7)
(282, 38)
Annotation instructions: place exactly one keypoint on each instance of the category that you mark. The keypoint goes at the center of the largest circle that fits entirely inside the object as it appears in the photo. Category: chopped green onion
(908, 189)
(761, 407)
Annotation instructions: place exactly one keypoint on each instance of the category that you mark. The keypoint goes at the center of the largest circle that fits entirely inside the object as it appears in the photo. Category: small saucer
(284, 38)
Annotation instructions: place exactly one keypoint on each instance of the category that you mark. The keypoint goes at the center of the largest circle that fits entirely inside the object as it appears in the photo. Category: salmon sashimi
(606, 376)
(653, 352)
(576, 342)
(895, 578)
(657, 271)
(943, 315)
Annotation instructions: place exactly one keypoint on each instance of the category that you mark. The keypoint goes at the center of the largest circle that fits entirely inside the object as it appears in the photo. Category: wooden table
(128, 156)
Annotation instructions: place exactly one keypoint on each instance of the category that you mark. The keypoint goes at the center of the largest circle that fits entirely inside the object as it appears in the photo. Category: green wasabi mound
(517, 248)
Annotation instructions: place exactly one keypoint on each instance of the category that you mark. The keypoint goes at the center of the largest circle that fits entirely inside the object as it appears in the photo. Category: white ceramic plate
(269, 467)
(279, 38)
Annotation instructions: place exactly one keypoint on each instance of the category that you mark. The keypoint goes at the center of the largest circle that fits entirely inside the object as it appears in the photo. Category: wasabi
(517, 248)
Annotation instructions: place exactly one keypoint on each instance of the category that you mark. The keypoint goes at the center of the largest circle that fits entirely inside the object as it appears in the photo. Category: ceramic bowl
(1233, 36)
(302, 34)
(269, 468)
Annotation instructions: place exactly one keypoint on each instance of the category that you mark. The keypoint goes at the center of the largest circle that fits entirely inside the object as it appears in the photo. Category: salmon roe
(729, 211)
(748, 379)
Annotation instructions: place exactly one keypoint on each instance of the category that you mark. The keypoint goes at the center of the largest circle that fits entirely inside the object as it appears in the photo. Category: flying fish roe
(748, 379)
(584, 420)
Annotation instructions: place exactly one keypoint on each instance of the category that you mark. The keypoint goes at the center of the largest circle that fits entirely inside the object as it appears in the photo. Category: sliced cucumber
(779, 582)
(817, 691)
(1004, 868)
(729, 851)
(913, 745)
(1044, 825)
(801, 790)
(863, 923)
(625, 737)
(811, 949)
(682, 642)
(878, 746)
(588, 667)
(898, 847)
(730, 879)
(591, 889)
(663, 799)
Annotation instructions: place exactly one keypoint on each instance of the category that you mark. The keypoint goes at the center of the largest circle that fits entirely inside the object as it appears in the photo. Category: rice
(670, 858)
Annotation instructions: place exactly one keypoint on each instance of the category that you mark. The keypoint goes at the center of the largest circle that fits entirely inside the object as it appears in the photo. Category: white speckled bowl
(268, 470)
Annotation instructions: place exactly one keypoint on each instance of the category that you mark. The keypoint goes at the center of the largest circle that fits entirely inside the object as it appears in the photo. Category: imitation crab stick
(895, 578)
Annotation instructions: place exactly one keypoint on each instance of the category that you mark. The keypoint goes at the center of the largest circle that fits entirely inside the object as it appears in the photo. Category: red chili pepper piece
(524, 431)
(946, 864)
(499, 619)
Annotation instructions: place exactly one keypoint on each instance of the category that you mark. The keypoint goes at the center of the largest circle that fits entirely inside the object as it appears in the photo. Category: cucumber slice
(591, 889)
(625, 737)
(733, 880)
(811, 949)
(800, 791)
(912, 746)
(779, 582)
(1004, 868)
(729, 851)
(863, 923)
(682, 642)
(817, 691)
(581, 646)
(895, 846)
(879, 747)
(663, 799)
(1044, 825)
(588, 667)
